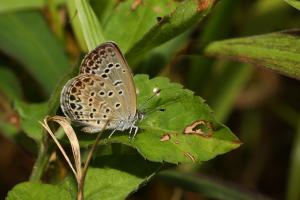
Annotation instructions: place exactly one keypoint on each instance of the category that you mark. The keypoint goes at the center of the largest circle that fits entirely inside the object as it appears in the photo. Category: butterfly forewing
(108, 62)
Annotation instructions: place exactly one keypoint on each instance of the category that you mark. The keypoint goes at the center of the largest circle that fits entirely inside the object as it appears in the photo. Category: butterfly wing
(108, 62)
(90, 101)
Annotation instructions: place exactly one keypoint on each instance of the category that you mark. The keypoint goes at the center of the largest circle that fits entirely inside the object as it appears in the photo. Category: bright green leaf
(30, 115)
(31, 191)
(26, 37)
(295, 3)
(161, 134)
(277, 51)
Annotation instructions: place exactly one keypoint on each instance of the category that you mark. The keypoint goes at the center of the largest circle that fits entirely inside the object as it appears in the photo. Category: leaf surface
(277, 51)
(25, 37)
(162, 135)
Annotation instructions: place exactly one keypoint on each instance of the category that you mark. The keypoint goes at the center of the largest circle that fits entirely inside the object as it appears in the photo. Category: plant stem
(41, 161)
(85, 168)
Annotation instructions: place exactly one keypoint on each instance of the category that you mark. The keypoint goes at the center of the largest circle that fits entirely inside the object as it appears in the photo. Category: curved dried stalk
(79, 172)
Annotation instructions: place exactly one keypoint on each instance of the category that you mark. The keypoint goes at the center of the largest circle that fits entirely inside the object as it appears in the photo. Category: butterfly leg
(112, 133)
(135, 131)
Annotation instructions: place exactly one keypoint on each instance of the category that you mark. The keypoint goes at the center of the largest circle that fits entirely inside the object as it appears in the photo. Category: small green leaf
(30, 191)
(30, 115)
(277, 51)
(294, 3)
(90, 26)
(162, 133)
(26, 37)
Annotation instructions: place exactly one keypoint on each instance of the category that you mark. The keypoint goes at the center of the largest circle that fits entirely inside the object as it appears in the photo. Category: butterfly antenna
(156, 92)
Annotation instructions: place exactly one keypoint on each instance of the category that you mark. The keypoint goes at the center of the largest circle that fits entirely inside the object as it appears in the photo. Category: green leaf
(30, 115)
(16, 5)
(161, 134)
(111, 177)
(277, 51)
(30, 191)
(116, 176)
(90, 26)
(9, 84)
(135, 19)
(187, 14)
(294, 3)
(26, 37)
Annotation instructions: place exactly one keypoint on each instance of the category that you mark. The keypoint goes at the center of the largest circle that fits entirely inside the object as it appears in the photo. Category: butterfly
(103, 95)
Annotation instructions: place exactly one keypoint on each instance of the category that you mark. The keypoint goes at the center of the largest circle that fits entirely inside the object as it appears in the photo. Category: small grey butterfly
(103, 95)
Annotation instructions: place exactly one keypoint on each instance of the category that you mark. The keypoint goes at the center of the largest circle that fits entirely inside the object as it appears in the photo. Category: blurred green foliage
(187, 41)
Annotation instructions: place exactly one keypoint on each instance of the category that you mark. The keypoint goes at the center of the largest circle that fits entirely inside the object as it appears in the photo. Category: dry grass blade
(73, 140)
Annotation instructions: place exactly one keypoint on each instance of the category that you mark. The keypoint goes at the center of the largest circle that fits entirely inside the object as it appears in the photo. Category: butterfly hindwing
(87, 100)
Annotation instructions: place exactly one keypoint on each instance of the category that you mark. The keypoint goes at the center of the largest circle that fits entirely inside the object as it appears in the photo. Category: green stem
(41, 161)
(85, 168)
